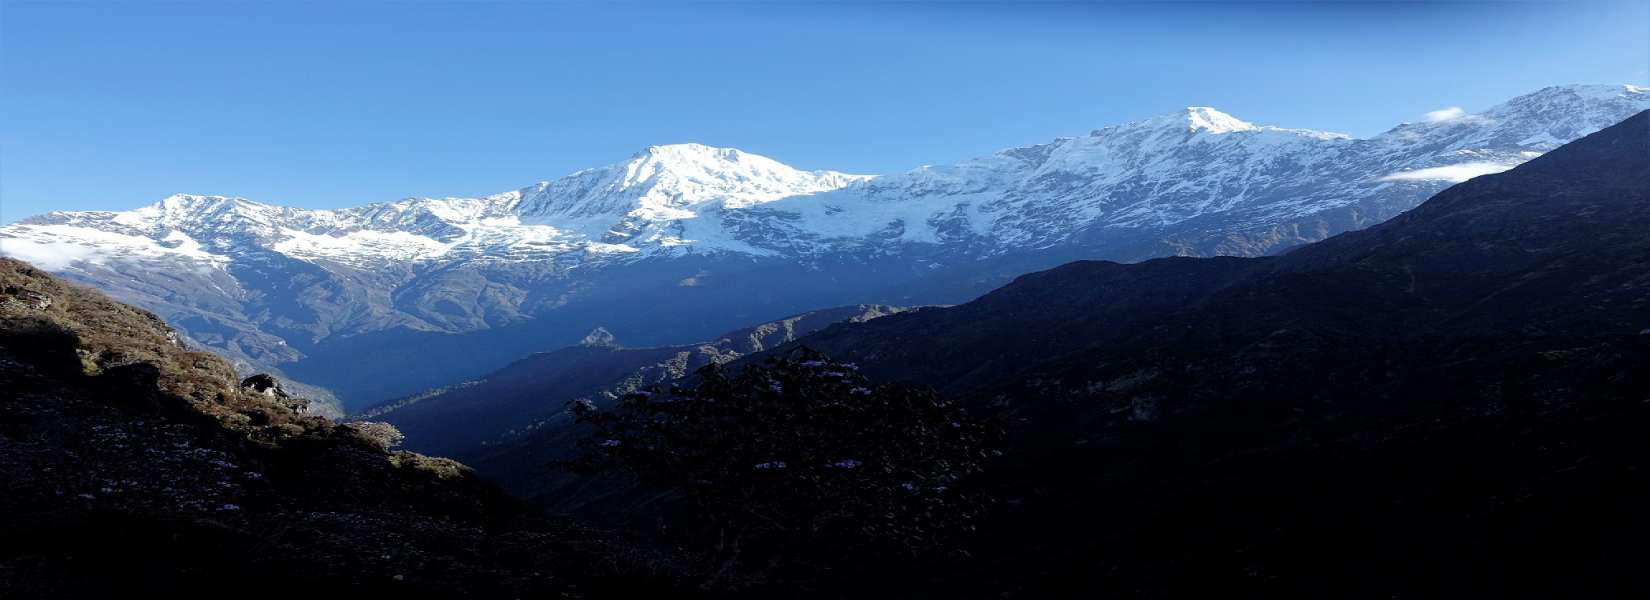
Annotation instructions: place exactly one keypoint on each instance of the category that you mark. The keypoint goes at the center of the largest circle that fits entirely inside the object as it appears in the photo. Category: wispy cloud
(1446, 114)
(51, 256)
(1452, 173)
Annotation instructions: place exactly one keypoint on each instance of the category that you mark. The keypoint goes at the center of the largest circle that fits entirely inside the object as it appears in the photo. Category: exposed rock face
(263, 384)
(26, 299)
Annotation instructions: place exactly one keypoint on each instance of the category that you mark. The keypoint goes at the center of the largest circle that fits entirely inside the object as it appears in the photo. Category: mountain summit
(1203, 118)
(667, 183)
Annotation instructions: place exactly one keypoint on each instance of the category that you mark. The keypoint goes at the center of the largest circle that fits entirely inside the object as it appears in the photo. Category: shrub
(799, 457)
(383, 436)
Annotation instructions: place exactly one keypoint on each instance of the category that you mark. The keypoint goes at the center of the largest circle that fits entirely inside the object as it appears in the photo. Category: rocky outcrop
(135, 465)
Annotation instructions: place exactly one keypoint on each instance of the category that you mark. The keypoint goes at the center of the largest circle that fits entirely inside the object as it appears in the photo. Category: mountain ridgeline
(1450, 402)
(682, 242)
(1556, 246)
(509, 407)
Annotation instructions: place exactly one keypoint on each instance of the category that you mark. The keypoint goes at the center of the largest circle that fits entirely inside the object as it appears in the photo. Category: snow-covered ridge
(618, 209)
(690, 198)
(266, 285)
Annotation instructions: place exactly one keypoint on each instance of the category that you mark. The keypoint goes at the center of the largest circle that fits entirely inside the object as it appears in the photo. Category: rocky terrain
(134, 465)
(682, 242)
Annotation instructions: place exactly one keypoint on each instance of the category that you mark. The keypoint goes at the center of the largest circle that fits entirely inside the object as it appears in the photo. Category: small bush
(799, 459)
(383, 436)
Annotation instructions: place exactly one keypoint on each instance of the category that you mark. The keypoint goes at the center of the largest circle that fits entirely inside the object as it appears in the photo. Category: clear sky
(113, 106)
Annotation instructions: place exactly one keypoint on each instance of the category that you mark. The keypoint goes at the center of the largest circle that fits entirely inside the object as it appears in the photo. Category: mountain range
(1447, 403)
(681, 242)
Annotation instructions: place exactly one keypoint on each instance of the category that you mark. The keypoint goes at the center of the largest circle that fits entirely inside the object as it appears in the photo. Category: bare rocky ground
(134, 465)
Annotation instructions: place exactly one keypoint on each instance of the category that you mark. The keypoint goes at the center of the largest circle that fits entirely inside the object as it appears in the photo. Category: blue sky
(113, 106)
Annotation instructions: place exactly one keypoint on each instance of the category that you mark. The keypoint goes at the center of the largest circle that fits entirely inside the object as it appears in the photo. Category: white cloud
(1446, 114)
(51, 256)
(1452, 173)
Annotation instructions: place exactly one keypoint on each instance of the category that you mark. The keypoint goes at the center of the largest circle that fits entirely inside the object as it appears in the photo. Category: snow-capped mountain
(628, 207)
(681, 241)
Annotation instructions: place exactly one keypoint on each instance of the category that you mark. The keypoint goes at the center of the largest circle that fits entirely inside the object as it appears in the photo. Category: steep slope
(133, 465)
(532, 394)
(477, 282)
(1558, 244)
(1447, 403)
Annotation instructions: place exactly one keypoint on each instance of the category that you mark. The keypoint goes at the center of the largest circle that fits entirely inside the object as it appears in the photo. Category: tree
(799, 458)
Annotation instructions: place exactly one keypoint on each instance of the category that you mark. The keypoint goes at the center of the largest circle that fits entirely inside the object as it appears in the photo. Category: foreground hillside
(133, 465)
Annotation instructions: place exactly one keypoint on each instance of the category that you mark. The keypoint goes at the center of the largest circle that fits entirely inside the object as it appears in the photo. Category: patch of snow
(60, 246)
(355, 246)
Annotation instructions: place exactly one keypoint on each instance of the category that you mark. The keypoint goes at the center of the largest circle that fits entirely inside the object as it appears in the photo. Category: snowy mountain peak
(1586, 92)
(1206, 119)
(1533, 122)
(692, 151)
(1581, 100)
(192, 204)
(667, 182)
(1190, 120)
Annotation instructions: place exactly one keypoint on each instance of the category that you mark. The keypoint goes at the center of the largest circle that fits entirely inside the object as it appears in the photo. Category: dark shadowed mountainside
(1557, 246)
(520, 405)
(133, 465)
(1450, 403)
